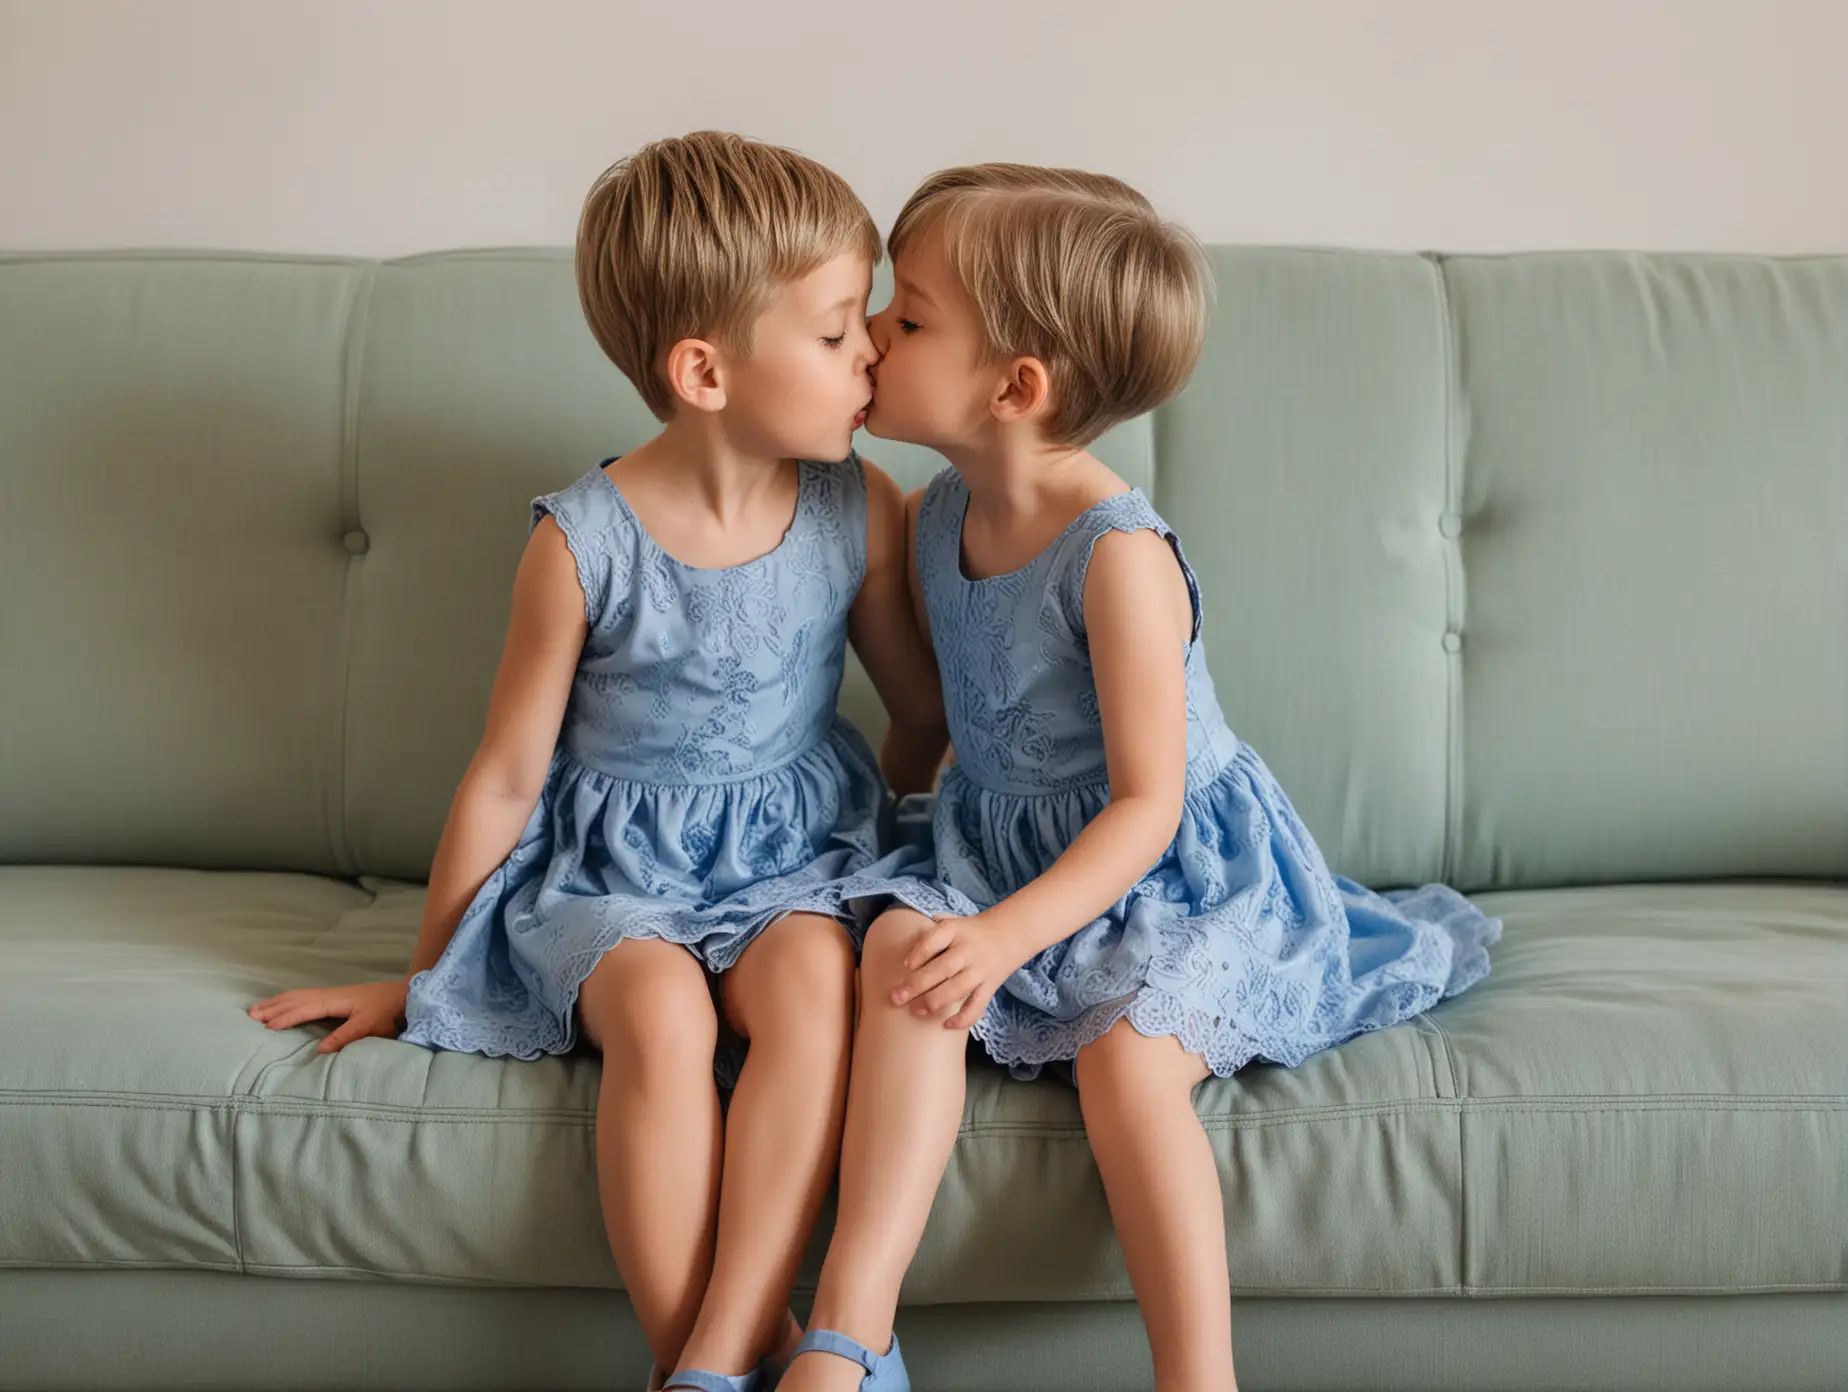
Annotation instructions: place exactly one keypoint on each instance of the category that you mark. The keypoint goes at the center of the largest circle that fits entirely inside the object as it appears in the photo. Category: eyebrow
(845, 302)
(911, 287)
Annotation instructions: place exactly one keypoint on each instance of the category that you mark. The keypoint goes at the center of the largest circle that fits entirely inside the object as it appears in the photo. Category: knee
(1124, 1061)
(648, 1004)
(882, 957)
(805, 950)
(799, 973)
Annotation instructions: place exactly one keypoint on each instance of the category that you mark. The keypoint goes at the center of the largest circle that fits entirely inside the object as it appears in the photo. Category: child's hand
(956, 960)
(377, 1007)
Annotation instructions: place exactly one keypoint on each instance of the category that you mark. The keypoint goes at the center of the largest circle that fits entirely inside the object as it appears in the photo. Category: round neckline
(802, 483)
(962, 521)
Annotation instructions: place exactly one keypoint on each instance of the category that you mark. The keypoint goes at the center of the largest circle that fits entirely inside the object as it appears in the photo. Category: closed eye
(836, 341)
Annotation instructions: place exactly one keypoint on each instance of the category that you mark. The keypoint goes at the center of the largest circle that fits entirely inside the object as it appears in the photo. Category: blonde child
(1120, 884)
(664, 793)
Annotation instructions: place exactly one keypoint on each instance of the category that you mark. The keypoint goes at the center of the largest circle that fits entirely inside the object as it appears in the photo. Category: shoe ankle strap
(827, 1341)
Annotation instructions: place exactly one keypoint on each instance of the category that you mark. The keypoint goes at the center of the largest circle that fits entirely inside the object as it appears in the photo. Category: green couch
(1525, 573)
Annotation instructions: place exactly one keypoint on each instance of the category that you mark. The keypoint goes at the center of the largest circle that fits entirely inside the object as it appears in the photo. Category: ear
(1023, 393)
(695, 375)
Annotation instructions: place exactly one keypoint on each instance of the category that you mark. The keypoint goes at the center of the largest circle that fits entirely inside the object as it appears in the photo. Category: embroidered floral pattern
(703, 786)
(1239, 942)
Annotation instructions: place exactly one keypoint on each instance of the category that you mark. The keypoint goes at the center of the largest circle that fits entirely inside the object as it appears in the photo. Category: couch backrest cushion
(1519, 571)
(1305, 469)
(173, 443)
(1655, 544)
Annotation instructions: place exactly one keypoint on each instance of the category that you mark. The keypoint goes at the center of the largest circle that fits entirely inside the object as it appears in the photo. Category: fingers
(263, 1009)
(289, 1019)
(932, 973)
(930, 943)
(949, 995)
(359, 1027)
(971, 1011)
(304, 1012)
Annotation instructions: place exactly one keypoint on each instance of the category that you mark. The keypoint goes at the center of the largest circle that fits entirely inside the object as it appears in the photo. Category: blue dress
(702, 787)
(1239, 942)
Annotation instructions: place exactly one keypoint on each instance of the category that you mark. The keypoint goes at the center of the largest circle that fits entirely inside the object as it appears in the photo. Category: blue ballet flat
(885, 1372)
(770, 1374)
(752, 1381)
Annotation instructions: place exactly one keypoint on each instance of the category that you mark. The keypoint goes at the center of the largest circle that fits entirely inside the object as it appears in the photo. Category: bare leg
(791, 995)
(904, 1104)
(1163, 1187)
(648, 1008)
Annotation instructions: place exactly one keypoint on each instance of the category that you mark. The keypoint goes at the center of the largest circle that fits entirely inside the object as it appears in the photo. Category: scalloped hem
(557, 1032)
(881, 894)
(1025, 1063)
(1156, 1013)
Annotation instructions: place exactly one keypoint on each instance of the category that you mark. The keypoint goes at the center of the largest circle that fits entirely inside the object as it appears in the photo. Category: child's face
(933, 380)
(804, 387)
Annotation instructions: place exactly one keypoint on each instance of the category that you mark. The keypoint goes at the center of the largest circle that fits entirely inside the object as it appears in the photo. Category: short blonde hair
(688, 238)
(1076, 270)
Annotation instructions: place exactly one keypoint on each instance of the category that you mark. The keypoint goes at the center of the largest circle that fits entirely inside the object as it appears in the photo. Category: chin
(830, 452)
(817, 448)
(898, 435)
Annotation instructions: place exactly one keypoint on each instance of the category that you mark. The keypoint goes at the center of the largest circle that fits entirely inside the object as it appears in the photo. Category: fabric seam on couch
(1554, 1104)
(353, 349)
(1462, 1199)
(1456, 448)
(1098, 1293)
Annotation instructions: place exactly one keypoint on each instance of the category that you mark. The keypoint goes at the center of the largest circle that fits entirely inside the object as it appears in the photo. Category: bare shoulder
(1135, 578)
(1142, 553)
(548, 582)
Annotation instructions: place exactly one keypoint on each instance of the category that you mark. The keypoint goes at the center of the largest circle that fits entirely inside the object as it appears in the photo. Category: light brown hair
(1077, 270)
(689, 237)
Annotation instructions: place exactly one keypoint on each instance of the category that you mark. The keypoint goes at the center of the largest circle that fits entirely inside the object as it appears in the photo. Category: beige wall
(404, 125)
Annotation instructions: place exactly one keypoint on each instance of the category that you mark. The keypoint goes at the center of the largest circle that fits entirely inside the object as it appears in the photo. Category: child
(1120, 884)
(664, 792)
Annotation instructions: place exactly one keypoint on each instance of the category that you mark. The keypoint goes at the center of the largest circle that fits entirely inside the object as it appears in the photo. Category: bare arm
(496, 796)
(913, 501)
(1138, 637)
(1138, 618)
(545, 636)
(888, 631)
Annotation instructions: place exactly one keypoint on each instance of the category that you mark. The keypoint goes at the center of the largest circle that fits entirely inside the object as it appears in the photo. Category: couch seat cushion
(1650, 1093)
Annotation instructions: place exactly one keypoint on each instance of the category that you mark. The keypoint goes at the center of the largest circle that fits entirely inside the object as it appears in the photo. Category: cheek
(898, 370)
(804, 382)
(924, 383)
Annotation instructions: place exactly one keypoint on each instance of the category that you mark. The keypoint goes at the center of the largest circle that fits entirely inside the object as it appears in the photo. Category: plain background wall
(408, 125)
